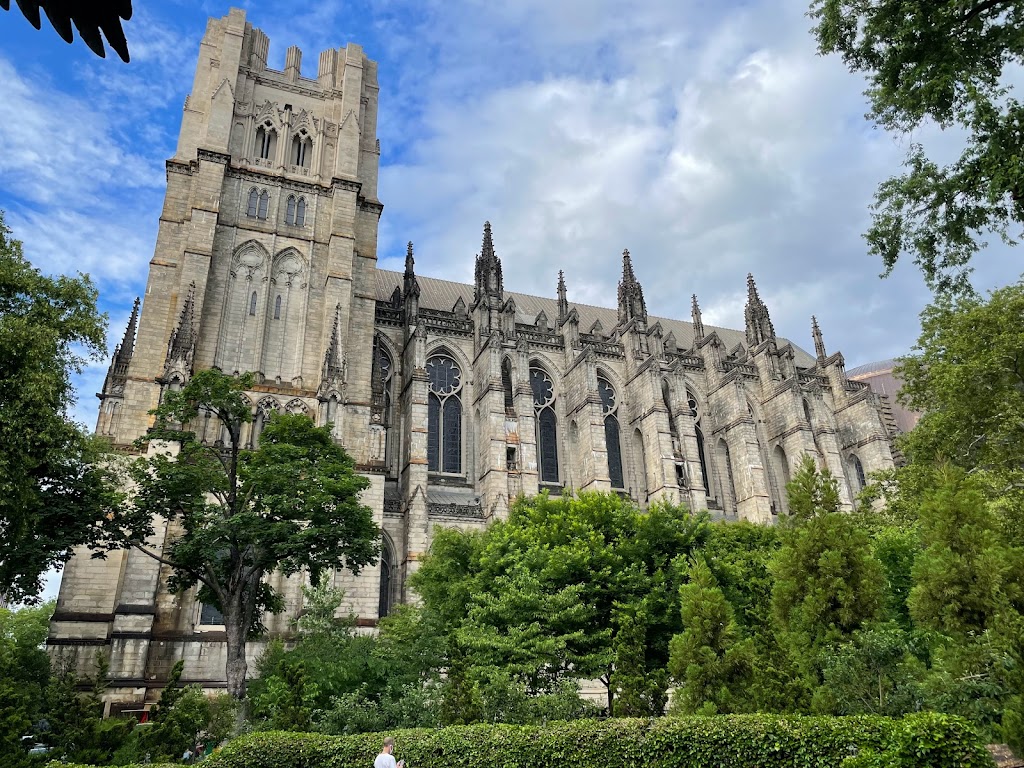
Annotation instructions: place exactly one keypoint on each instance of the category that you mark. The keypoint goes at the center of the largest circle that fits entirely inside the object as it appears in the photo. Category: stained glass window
(254, 199)
(261, 212)
(506, 384)
(547, 424)
(444, 415)
(692, 403)
(858, 470)
(386, 568)
(289, 216)
(611, 432)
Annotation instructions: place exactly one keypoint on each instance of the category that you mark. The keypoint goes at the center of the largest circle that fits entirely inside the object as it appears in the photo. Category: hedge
(924, 740)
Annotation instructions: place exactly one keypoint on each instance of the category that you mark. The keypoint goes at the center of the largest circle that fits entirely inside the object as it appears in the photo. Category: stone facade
(453, 399)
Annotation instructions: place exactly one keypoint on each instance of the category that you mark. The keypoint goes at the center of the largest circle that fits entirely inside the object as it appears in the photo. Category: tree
(827, 584)
(291, 505)
(90, 20)
(967, 378)
(545, 585)
(24, 675)
(966, 576)
(941, 62)
(53, 490)
(708, 659)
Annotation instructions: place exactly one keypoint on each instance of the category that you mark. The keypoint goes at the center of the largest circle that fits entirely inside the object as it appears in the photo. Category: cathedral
(453, 399)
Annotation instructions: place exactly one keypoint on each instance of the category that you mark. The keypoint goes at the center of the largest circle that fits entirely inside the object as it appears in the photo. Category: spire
(488, 269)
(334, 361)
(117, 372)
(698, 322)
(124, 351)
(759, 324)
(631, 295)
(182, 345)
(411, 284)
(819, 342)
(563, 302)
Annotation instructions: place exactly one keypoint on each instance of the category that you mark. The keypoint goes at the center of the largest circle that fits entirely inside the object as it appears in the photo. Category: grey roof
(882, 366)
(443, 295)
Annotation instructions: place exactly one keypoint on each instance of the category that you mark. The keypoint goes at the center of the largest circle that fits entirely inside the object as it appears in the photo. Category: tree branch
(980, 8)
(171, 564)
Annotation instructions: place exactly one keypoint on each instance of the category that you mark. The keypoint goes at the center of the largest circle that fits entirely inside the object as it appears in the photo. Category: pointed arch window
(252, 304)
(264, 206)
(302, 148)
(691, 402)
(858, 473)
(444, 415)
(300, 212)
(277, 308)
(289, 215)
(266, 141)
(254, 201)
(380, 381)
(543, 389)
(387, 567)
(729, 501)
(506, 386)
(609, 407)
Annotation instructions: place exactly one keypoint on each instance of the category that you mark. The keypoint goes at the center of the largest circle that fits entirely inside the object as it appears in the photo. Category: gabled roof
(443, 294)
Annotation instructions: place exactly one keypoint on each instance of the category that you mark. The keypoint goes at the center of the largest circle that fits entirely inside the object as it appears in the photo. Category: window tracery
(609, 407)
(444, 415)
(543, 389)
(691, 403)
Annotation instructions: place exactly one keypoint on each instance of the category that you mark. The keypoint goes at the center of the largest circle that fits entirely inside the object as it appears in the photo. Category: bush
(692, 742)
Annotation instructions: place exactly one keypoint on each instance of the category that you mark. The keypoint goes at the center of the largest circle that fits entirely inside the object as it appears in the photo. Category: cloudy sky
(707, 137)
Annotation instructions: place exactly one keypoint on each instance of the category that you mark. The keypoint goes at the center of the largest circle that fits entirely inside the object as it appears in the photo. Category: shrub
(692, 742)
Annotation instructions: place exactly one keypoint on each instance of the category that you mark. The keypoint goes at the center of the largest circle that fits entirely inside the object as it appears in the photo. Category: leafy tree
(878, 671)
(291, 505)
(827, 584)
(940, 62)
(24, 676)
(708, 659)
(967, 377)
(640, 691)
(966, 576)
(545, 586)
(52, 490)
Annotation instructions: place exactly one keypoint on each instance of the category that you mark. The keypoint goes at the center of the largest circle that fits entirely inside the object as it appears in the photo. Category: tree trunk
(236, 667)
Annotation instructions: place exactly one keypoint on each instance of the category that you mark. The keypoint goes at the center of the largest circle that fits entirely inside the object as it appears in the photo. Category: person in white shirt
(386, 759)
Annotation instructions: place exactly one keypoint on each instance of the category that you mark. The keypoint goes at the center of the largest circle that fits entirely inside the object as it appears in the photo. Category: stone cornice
(213, 157)
(271, 178)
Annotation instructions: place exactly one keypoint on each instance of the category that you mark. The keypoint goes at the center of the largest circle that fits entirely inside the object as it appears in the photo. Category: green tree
(640, 688)
(967, 377)
(53, 492)
(544, 586)
(291, 505)
(966, 576)
(24, 676)
(940, 62)
(827, 584)
(708, 659)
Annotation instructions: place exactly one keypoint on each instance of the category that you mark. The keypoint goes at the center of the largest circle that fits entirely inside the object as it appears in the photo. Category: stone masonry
(453, 399)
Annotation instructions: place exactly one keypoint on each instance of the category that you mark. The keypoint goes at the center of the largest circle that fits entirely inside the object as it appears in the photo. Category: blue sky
(708, 138)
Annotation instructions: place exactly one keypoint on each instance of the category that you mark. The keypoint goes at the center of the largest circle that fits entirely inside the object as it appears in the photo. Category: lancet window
(302, 149)
(295, 211)
(609, 407)
(547, 424)
(691, 402)
(506, 385)
(387, 566)
(858, 473)
(380, 381)
(444, 415)
(266, 141)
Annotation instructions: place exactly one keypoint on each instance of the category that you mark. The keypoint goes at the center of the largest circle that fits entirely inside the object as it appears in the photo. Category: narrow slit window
(252, 304)
(277, 308)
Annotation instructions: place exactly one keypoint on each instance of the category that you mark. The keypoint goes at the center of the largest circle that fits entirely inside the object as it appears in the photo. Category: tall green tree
(709, 660)
(942, 62)
(53, 491)
(967, 575)
(24, 676)
(827, 584)
(291, 505)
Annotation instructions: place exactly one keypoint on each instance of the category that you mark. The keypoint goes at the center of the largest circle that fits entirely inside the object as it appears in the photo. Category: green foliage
(827, 585)
(53, 493)
(723, 742)
(971, 393)
(291, 505)
(24, 675)
(539, 594)
(708, 660)
(966, 575)
(878, 671)
(942, 62)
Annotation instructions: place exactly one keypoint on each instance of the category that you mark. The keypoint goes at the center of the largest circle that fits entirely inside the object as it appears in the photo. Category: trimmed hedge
(766, 741)
(59, 764)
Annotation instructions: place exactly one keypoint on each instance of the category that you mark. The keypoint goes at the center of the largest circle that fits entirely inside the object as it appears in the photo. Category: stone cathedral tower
(453, 399)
